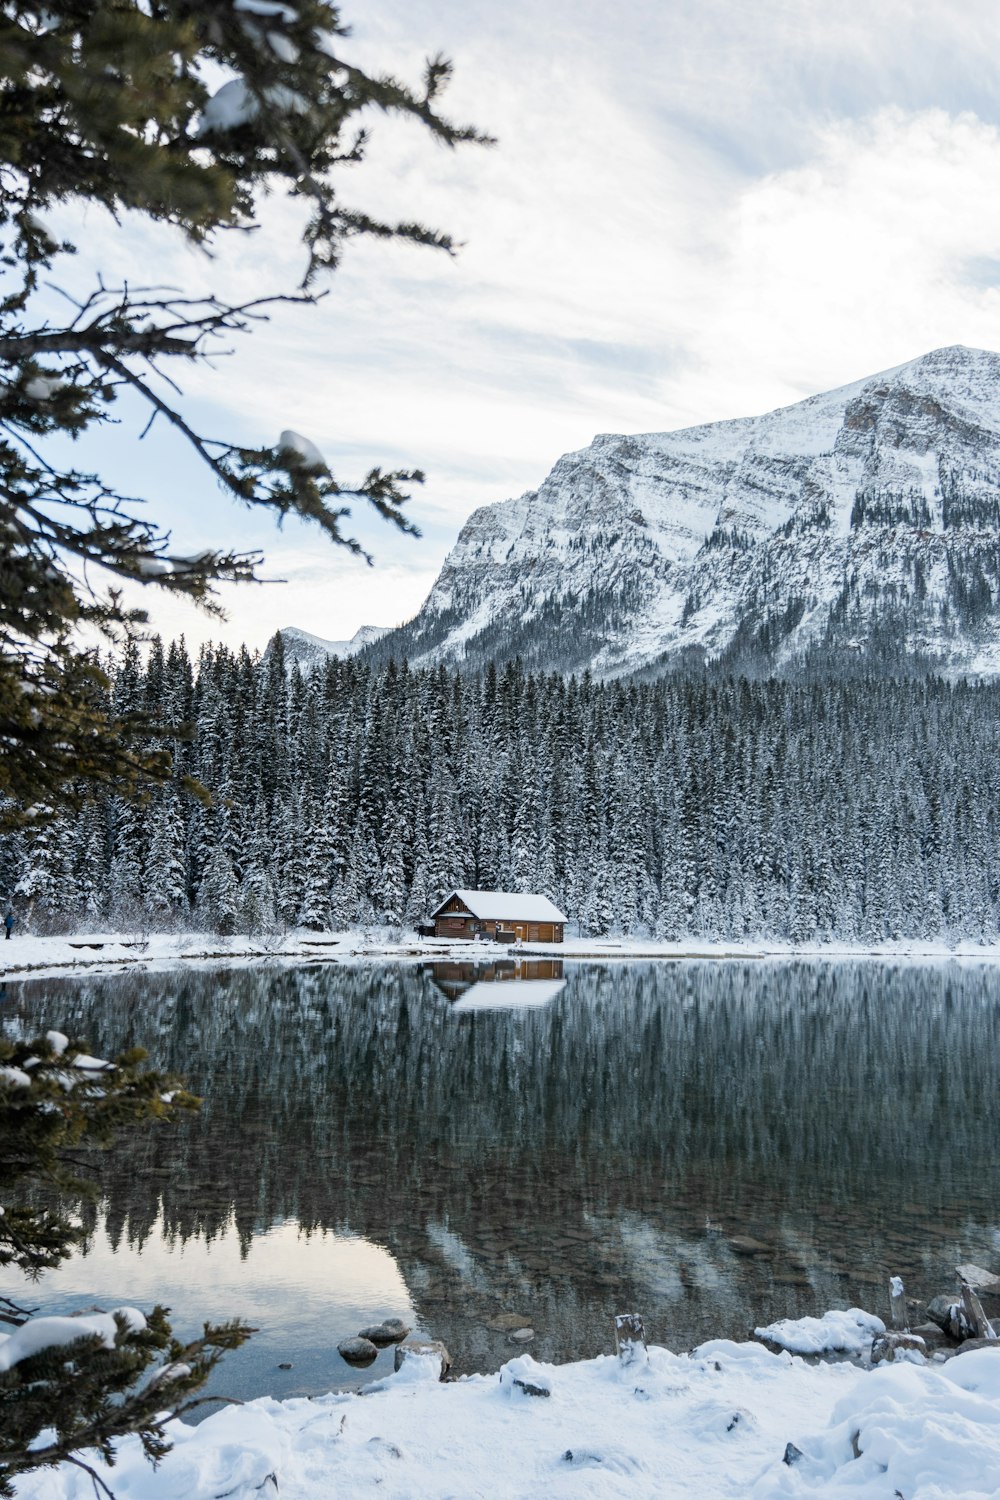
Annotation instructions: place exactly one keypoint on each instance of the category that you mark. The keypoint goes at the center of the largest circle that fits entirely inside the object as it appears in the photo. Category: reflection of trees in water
(567, 1154)
(849, 1075)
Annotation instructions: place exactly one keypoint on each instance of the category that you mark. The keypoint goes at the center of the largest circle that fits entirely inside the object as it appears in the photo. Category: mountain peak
(864, 513)
(307, 650)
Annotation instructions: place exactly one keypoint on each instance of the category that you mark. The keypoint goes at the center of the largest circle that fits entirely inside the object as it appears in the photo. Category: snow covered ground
(728, 1420)
(104, 952)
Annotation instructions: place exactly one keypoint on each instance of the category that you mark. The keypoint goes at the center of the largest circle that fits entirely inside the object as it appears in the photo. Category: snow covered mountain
(307, 650)
(866, 517)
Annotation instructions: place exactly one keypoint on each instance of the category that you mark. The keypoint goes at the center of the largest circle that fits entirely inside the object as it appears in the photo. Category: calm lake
(712, 1144)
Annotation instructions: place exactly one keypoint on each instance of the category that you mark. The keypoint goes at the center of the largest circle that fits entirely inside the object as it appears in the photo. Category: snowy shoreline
(29, 956)
(727, 1420)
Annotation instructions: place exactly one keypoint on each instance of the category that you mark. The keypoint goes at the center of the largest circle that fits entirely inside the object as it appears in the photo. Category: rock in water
(432, 1356)
(389, 1331)
(360, 1352)
(507, 1322)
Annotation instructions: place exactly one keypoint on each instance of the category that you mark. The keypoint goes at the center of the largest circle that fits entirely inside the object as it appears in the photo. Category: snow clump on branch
(235, 104)
(304, 452)
(48, 1333)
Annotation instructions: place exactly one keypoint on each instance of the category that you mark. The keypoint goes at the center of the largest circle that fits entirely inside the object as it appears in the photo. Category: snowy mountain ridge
(306, 650)
(858, 516)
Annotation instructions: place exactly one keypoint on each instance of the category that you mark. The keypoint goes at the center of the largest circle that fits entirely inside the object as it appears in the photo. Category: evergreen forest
(357, 794)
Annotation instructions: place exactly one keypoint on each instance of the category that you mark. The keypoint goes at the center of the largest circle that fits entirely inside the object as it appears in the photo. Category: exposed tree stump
(980, 1324)
(897, 1304)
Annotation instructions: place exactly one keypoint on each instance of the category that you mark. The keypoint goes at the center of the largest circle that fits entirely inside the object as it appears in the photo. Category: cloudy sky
(697, 209)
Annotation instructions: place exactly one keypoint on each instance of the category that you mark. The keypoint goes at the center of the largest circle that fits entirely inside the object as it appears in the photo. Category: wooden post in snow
(897, 1304)
(980, 1324)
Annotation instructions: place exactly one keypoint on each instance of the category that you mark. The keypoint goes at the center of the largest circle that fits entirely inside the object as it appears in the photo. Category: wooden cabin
(504, 916)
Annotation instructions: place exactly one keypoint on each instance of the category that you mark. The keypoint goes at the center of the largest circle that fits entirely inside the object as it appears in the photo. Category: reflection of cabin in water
(506, 916)
(455, 979)
(503, 984)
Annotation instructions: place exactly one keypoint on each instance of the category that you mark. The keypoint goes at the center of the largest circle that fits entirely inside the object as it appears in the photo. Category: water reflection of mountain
(613, 1146)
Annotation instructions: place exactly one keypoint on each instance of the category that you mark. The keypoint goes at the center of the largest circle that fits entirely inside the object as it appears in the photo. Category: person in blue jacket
(8, 923)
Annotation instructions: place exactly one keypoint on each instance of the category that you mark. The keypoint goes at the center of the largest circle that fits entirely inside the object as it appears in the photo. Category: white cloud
(852, 263)
(696, 210)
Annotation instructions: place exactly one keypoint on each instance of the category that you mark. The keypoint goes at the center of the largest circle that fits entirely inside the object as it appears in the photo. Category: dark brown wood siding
(456, 925)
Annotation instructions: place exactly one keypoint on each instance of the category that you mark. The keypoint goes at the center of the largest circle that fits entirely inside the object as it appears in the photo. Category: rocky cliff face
(866, 516)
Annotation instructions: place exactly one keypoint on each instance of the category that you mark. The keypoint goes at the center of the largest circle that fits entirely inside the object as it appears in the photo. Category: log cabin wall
(456, 921)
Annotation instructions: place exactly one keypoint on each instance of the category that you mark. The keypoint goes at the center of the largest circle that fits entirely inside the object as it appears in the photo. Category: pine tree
(218, 895)
(93, 866)
(256, 901)
(391, 893)
(165, 879)
(39, 870)
(126, 896)
(418, 902)
(314, 909)
(289, 840)
(524, 839)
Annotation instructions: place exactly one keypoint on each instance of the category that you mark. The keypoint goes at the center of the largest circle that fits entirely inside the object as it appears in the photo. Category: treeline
(358, 794)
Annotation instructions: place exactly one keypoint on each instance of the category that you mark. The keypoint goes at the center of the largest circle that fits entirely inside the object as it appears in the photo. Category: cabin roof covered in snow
(505, 906)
